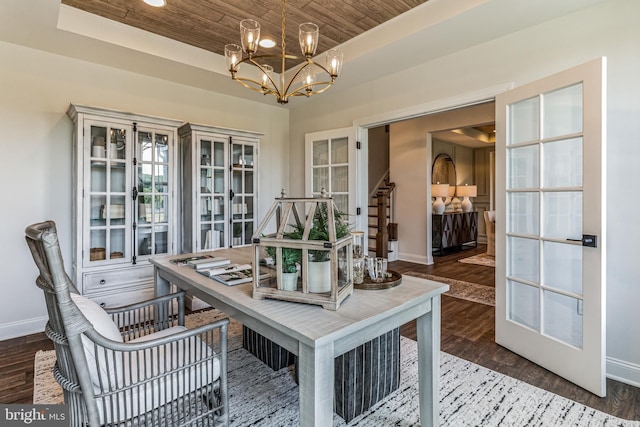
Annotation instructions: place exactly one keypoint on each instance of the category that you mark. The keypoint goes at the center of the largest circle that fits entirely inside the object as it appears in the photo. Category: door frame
(468, 99)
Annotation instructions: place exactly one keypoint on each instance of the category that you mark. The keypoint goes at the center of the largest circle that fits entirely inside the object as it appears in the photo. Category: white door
(331, 162)
(550, 227)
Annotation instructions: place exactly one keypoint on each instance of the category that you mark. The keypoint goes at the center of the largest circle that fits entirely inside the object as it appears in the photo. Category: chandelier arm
(299, 91)
(244, 81)
(301, 67)
(251, 60)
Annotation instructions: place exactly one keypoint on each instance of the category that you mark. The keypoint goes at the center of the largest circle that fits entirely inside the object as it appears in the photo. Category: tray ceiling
(211, 24)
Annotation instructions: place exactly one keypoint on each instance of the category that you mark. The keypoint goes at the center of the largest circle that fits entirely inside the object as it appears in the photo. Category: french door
(550, 205)
(331, 163)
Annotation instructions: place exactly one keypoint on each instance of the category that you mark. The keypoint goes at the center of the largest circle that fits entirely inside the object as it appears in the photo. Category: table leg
(315, 376)
(161, 288)
(428, 332)
(161, 284)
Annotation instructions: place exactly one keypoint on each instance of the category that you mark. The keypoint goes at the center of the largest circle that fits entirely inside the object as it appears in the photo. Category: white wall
(35, 165)
(607, 29)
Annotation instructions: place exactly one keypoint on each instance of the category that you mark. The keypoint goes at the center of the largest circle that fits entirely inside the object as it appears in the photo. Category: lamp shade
(467, 191)
(440, 190)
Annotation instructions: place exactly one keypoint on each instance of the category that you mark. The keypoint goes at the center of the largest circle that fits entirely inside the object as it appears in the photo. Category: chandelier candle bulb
(266, 75)
(334, 62)
(308, 79)
(308, 36)
(250, 35)
(232, 53)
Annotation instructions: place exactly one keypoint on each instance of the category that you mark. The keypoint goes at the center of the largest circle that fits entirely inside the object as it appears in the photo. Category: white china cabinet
(125, 176)
(219, 187)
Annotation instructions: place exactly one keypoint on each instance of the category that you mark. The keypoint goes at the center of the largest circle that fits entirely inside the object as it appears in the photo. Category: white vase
(290, 281)
(319, 276)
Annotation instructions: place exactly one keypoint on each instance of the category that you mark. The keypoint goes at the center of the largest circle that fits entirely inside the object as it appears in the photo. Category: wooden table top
(306, 322)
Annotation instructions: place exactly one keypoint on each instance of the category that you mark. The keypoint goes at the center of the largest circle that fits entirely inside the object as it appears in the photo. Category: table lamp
(439, 191)
(453, 199)
(467, 191)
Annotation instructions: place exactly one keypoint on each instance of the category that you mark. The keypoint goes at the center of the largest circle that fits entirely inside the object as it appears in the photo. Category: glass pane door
(213, 177)
(243, 190)
(107, 202)
(330, 170)
(544, 214)
(550, 267)
(154, 200)
(330, 164)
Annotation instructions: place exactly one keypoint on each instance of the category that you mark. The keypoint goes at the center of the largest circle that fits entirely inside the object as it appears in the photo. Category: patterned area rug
(463, 290)
(470, 395)
(481, 259)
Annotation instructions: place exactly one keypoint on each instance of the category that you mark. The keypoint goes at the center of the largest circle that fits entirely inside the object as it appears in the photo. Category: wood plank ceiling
(211, 24)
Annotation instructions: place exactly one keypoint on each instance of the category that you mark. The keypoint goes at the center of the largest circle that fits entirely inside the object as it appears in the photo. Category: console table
(317, 336)
(454, 229)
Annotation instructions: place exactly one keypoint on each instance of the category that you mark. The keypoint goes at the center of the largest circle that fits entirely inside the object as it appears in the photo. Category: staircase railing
(384, 198)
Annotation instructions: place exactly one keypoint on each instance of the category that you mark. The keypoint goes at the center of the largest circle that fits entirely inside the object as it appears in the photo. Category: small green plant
(290, 258)
(320, 230)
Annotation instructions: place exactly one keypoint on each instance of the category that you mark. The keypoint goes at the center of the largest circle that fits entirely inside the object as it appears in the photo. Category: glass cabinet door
(108, 180)
(243, 191)
(212, 153)
(154, 202)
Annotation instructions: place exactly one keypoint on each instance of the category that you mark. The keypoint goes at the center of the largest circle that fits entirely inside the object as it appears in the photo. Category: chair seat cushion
(103, 370)
(192, 363)
(141, 377)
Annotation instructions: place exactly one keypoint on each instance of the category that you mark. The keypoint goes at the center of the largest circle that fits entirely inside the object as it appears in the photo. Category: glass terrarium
(306, 247)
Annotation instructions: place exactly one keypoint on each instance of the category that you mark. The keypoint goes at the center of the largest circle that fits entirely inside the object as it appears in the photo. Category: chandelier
(302, 79)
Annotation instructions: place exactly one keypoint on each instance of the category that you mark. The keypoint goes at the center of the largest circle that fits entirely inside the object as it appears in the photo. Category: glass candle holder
(358, 270)
(358, 244)
(377, 269)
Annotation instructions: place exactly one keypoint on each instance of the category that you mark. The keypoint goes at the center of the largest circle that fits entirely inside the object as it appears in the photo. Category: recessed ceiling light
(156, 3)
(267, 43)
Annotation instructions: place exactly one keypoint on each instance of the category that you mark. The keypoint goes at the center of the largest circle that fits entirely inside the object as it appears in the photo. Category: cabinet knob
(102, 282)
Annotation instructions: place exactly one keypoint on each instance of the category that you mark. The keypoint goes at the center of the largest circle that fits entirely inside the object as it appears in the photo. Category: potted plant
(319, 267)
(289, 261)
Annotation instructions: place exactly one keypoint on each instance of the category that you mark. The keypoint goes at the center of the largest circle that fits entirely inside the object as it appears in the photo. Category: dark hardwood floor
(467, 332)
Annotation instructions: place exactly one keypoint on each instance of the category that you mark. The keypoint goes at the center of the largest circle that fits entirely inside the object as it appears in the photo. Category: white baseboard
(625, 372)
(418, 259)
(393, 251)
(23, 327)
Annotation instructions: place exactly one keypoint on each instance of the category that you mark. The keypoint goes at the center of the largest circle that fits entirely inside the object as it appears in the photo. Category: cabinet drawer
(112, 279)
(122, 297)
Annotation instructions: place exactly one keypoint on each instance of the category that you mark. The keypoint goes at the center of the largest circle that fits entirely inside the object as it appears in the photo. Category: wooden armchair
(148, 372)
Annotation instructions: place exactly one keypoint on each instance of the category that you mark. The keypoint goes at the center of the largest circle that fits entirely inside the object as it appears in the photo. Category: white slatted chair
(150, 372)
